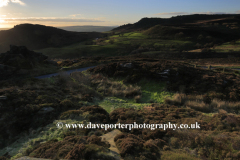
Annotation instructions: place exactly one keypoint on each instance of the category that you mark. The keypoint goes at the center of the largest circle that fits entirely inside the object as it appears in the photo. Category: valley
(182, 70)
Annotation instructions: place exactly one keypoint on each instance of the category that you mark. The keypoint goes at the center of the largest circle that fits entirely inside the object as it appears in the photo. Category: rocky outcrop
(179, 77)
(19, 61)
(21, 57)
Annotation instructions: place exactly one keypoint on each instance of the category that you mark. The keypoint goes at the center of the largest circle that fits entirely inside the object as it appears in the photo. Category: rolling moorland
(88, 28)
(38, 36)
(182, 70)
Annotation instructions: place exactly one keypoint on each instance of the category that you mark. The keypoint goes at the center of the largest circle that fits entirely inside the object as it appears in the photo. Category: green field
(228, 47)
(124, 44)
(79, 50)
(116, 45)
(152, 92)
(225, 47)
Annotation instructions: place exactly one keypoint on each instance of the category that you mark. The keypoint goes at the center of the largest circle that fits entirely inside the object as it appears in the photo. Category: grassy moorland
(145, 74)
(106, 94)
(115, 45)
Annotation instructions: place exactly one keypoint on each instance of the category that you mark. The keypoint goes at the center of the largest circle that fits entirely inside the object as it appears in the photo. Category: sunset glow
(3, 3)
(1, 23)
(105, 12)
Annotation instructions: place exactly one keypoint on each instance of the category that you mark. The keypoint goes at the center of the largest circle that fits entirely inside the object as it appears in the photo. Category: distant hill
(200, 28)
(88, 28)
(40, 36)
(184, 20)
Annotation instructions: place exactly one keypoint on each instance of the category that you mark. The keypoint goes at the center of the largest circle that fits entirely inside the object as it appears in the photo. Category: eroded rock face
(22, 58)
(19, 61)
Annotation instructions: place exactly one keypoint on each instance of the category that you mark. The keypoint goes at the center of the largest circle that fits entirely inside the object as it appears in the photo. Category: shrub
(72, 114)
(200, 37)
(178, 99)
(77, 152)
(63, 78)
(130, 145)
(179, 35)
(166, 148)
(81, 78)
(137, 99)
(203, 103)
(231, 107)
(97, 114)
(110, 88)
(178, 155)
(236, 144)
(199, 106)
(111, 41)
(160, 143)
(174, 142)
(73, 147)
(66, 103)
(64, 150)
(126, 115)
(236, 155)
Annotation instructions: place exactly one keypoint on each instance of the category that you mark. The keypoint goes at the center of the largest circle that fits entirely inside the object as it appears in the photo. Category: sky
(104, 12)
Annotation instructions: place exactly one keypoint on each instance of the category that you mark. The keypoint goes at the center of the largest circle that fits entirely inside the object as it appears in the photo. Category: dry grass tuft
(113, 88)
(203, 103)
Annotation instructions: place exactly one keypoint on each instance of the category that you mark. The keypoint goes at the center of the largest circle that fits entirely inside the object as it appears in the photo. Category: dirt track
(109, 137)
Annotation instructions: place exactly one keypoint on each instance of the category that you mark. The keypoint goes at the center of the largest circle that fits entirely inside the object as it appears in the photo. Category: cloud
(50, 19)
(75, 15)
(237, 12)
(5, 2)
(18, 1)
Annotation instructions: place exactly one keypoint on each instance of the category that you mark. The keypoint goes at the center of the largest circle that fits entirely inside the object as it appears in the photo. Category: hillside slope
(184, 20)
(204, 30)
(39, 36)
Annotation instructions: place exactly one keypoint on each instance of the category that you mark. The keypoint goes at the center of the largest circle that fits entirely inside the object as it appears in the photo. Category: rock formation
(18, 61)
(21, 57)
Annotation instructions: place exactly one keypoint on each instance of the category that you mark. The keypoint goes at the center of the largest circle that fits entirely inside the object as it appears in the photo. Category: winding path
(109, 137)
(68, 72)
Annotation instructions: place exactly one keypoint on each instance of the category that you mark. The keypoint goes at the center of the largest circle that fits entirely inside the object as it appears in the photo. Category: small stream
(68, 72)
(86, 68)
